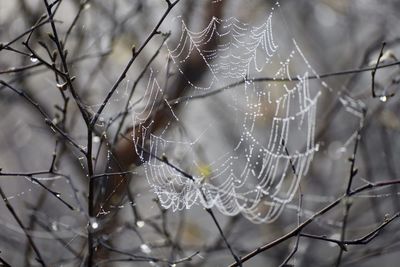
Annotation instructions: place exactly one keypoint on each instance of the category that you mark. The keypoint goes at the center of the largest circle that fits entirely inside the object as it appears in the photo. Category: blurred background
(45, 178)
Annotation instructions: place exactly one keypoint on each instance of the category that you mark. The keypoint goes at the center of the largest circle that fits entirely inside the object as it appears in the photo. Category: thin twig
(125, 112)
(62, 55)
(359, 241)
(322, 211)
(228, 245)
(55, 194)
(269, 79)
(296, 246)
(30, 240)
(374, 71)
(348, 202)
(146, 258)
(127, 67)
(112, 173)
(47, 119)
(19, 69)
(31, 29)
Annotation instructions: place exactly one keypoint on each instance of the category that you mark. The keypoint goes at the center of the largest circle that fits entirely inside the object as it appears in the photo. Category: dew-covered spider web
(247, 147)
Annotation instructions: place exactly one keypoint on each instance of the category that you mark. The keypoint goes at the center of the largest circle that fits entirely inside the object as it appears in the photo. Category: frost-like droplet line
(253, 174)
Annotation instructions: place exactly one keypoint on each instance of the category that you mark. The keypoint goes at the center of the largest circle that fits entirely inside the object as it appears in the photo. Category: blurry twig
(15, 216)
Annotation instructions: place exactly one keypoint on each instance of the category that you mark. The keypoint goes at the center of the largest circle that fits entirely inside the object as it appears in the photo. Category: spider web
(250, 156)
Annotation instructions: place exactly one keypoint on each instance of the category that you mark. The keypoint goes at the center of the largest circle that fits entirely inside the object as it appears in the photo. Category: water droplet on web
(58, 195)
(34, 59)
(317, 147)
(295, 106)
(383, 98)
(145, 248)
(54, 226)
(96, 139)
(336, 150)
(140, 224)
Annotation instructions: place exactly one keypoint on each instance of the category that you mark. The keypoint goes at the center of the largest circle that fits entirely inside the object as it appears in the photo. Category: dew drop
(140, 224)
(94, 224)
(86, 6)
(145, 248)
(317, 147)
(54, 226)
(383, 98)
(34, 59)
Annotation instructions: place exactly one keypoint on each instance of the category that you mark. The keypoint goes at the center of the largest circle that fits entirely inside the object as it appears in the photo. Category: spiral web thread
(261, 172)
